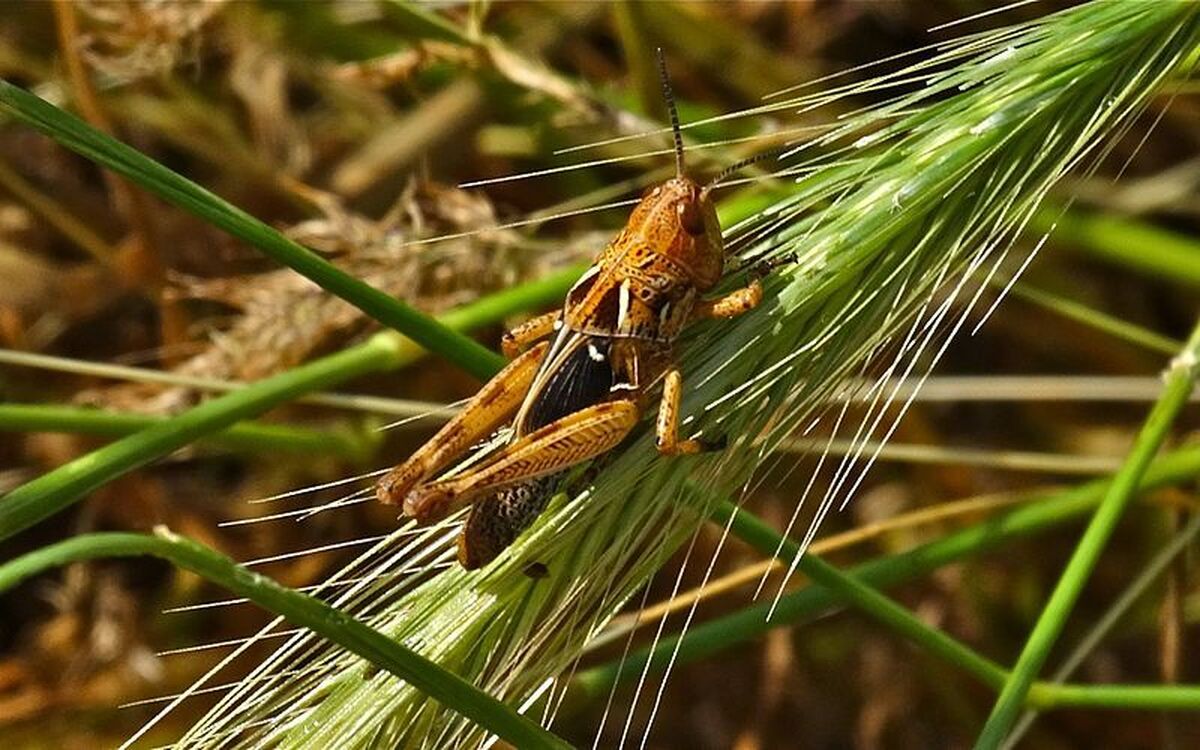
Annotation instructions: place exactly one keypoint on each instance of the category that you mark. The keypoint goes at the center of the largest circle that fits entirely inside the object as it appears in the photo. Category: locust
(580, 377)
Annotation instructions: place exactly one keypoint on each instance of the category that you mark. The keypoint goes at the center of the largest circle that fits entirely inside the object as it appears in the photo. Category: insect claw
(719, 443)
(536, 570)
(764, 267)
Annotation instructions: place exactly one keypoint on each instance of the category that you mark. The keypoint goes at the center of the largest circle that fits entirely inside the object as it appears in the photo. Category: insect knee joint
(429, 503)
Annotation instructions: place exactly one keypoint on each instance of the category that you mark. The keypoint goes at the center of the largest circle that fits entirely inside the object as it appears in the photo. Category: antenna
(739, 165)
(669, 96)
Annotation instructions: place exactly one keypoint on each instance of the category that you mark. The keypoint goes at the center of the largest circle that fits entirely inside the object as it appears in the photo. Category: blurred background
(350, 125)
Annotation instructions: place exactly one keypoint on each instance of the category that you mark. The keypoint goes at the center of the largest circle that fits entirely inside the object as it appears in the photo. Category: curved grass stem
(54, 491)
(1180, 380)
(1120, 607)
(78, 136)
(798, 606)
(1043, 695)
(758, 534)
(1128, 242)
(108, 370)
(300, 609)
(246, 436)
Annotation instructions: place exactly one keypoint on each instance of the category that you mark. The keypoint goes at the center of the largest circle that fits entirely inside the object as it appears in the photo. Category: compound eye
(690, 218)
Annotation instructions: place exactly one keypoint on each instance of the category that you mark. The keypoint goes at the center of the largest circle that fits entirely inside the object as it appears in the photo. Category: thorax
(632, 292)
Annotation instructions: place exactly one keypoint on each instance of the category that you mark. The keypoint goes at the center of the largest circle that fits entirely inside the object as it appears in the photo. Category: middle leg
(531, 330)
(666, 427)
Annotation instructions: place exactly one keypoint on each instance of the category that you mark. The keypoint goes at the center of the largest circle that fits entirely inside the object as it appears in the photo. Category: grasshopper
(580, 376)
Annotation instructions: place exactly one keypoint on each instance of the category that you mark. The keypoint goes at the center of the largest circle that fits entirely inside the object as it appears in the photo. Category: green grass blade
(752, 622)
(1134, 244)
(530, 295)
(300, 609)
(853, 588)
(51, 492)
(1048, 696)
(1101, 321)
(85, 140)
(48, 494)
(766, 540)
(1180, 381)
(1134, 592)
(758, 534)
(247, 436)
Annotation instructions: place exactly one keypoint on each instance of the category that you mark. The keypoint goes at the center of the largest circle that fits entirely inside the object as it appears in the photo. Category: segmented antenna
(670, 98)
(737, 166)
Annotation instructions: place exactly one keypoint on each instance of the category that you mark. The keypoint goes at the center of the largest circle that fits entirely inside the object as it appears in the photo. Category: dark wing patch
(604, 313)
(584, 379)
(580, 291)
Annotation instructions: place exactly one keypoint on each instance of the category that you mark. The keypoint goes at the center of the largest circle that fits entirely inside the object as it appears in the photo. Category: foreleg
(730, 305)
(742, 300)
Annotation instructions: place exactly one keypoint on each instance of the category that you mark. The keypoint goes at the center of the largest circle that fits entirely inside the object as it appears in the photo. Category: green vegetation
(911, 197)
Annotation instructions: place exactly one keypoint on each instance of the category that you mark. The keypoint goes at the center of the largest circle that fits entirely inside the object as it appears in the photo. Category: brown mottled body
(645, 283)
(579, 395)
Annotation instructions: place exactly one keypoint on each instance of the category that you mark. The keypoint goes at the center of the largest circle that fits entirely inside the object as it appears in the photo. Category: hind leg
(563, 443)
(494, 404)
